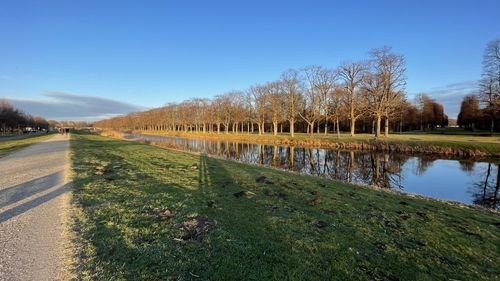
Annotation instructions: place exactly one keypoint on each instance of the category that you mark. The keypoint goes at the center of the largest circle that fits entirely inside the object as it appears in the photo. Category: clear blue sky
(148, 53)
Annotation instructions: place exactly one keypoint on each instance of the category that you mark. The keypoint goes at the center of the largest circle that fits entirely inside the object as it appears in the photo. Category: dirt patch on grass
(243, 193)
(404, 215)
(315, 201)
(263, 179)
(321, 224)
(279, 195)
(196, 227)
(105, 170)
(163, 214)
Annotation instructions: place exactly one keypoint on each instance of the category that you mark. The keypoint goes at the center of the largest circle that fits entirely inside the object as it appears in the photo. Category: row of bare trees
(355, 96)
(14, 120)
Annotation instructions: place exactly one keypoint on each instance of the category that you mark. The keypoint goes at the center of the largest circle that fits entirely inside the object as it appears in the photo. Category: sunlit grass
(9, 146)
(345, 136)
(486, 144)
(260, 223)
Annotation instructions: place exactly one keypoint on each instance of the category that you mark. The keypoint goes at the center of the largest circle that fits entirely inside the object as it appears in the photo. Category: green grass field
(433, 140)
(148, 213)
(8, 146)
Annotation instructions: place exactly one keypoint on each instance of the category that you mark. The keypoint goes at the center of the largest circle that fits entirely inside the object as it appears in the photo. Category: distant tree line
(70, 124)
(14, 120)
(482, 111)
(366, 96)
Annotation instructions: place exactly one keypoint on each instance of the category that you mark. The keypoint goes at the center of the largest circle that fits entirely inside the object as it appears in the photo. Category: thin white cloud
(66, 106)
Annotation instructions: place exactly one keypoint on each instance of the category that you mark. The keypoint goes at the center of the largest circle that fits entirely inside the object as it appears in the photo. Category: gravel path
(34, 204)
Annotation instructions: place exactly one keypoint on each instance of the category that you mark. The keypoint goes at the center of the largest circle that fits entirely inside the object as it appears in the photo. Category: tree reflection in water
(485, 192)
(384, 170)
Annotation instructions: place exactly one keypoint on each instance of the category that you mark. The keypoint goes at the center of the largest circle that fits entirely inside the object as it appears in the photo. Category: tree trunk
(338, 127)
(292, 131)
(386, 133)
(326, 127)
(377, 130)
(275, 127)
(353, 126)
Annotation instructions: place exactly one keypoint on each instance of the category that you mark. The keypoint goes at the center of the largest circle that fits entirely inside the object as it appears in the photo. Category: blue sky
(146, 53)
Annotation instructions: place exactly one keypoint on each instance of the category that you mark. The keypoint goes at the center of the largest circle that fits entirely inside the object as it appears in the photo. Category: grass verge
(9, 146)
(148, 213)
(468, 145)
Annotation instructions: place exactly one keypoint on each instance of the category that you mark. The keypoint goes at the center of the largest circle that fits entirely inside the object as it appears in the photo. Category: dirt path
(34, 203)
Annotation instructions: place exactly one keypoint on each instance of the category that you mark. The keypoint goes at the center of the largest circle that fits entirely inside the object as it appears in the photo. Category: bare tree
(238, 109)
(385, 85)
(220, 111)
(489, 85)
(291, 89)
(320, 83)
(276, 104)
(310, 105)
(260, 100)
(336, 108)
(314, 94)
(352, 75)
(249, 110)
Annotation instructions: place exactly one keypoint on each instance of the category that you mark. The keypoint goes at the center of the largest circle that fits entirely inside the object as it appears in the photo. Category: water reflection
(458, 180)
(485, 190)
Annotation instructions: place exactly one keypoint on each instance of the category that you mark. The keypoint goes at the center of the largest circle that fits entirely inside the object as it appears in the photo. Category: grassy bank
(453, 144)
(149, 213)
(8, 146)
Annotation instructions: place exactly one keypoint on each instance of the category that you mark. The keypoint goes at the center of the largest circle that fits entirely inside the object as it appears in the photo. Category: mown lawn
(486, 144)
(8, 146)
(148, 213)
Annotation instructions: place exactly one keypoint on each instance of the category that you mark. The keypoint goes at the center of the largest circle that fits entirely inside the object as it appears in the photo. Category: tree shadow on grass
(253, 237)
(262, 230)
(248, 227)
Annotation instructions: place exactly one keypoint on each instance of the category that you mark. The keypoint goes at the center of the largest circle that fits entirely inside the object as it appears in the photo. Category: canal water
(461, 180)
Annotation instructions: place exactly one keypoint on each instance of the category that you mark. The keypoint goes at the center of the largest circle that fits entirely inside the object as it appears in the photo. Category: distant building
(452, 123)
